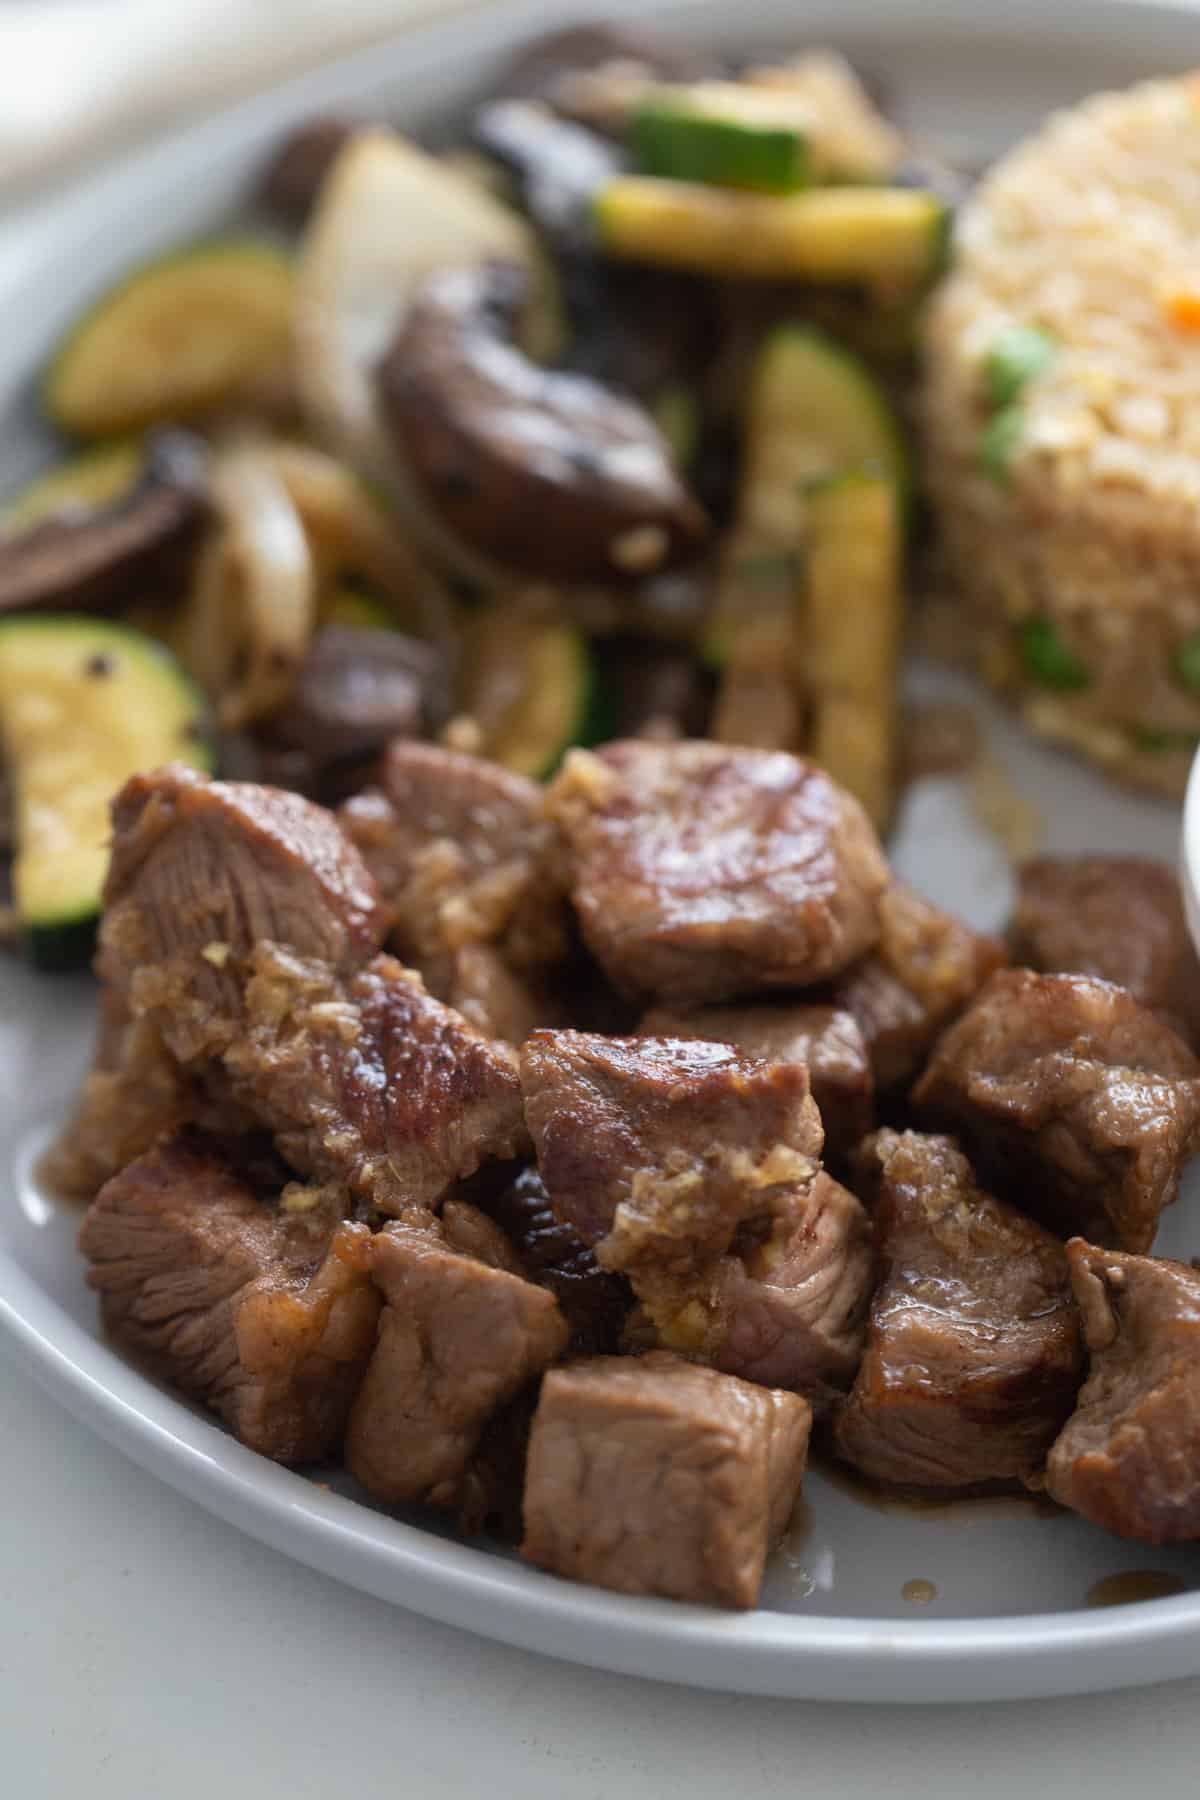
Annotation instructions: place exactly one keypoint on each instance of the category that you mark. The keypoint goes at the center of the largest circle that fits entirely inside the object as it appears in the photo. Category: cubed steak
(657, 1150)
(826, 1040)
(135, 1095)
(500, 1001)
(201, 873)
(257, 1303)
(458, 1340)
(652, 1475)
(1076, 1102)
(1117, 917)
(973, 1354)
(791, 1312)
(372, 1081)
(1128, 1458)
(461, 851)
(926, 967)
(703, 872)
(594, 1301)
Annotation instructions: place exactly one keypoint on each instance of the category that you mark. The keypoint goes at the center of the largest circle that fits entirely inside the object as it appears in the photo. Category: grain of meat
(826, 1040)
(1128, 1458)
(1076, 1100)
(265, 1314)
(973, 1354)
(1060, 427)
(701, 872)
(653, 1476)
(458, 1340)
(204, 871)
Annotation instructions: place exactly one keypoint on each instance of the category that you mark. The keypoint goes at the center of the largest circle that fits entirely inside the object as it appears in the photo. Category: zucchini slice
(84, 704)
(88, 483)
(529, 686)
(813, 409)
(850, 634)
(177, 338)
(720, 133)
(892, 238)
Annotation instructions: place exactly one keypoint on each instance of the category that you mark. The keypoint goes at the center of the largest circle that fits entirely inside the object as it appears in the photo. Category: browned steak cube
(500, 1001)
(1116, 917)
(827, 1041)
(926, 967)
(1073, 1098)
(700, 871)
(263, 1309)
(594, 1302)
(652, 1475)
(461, 850)
(135, 1095)
(201, 873)
(1129, 1457)
(373, 1082)
(792, 1311)
(657, 1149)
(458, 1339)
(973, 1354)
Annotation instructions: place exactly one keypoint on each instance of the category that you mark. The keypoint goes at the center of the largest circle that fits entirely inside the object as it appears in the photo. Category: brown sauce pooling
(1004, 1503)
(919, 1592)
(1131, 1585)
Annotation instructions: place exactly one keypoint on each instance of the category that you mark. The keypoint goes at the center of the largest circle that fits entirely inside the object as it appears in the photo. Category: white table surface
(147, 1649)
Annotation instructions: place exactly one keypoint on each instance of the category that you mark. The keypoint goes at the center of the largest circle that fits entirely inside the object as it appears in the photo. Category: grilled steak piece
(1128, 1458)
(202, 872)
(461, 851)
(458, 1339)
(372, 1082)
(973, 1354)
(261, 1308)
(656, 1150)
(1116, 917)
(791, 1312)
(651, 1475)
(1073, 1097)
(135, 1095)
(926, 967)
(827, 1041)
(701, 872)
(594, 1302)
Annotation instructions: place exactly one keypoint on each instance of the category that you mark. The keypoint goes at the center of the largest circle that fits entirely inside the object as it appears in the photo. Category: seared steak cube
(263, 1309)
(372, 1082)
(652, 1475)
(201, 873)
(1073, 1097)
(973, 1354)
(594, 1301)
(1129, 1457)
(498, 1000)
(791, 1312)
(827, 1041)
(657, 1149)
(460, 849)
(926, 967)
(1116, 917)
(700, 872)
(136, 1094)
(458, 1339)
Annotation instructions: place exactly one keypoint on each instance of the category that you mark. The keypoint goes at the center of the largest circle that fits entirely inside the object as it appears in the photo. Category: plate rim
(811, 1656)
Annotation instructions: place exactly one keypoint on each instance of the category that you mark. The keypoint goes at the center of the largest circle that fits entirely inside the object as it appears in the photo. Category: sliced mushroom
(546, 472)
(559, 167)
(294, 176)
(121, 552)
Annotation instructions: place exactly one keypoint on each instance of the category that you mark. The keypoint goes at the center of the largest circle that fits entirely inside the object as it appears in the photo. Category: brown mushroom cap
(546, 472)
(117, 553)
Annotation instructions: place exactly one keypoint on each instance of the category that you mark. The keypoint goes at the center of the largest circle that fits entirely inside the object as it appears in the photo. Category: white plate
(1010, 1618)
